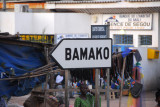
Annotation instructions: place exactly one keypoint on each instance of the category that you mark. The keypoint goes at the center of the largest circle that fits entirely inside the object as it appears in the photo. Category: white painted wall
(34, 23)
(7, 22)
(23, 23)
(27, 23)
(43, 23)
(47, 23)
(72, 23)
(151, 68)
(136, 33)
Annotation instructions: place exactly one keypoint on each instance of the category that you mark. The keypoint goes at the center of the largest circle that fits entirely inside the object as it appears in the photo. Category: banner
(59, 37)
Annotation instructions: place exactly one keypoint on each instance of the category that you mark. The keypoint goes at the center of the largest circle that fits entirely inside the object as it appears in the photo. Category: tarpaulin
(126, 52)
(16, 60)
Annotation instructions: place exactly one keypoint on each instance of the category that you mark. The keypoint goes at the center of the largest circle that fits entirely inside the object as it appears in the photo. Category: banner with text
(129, 21)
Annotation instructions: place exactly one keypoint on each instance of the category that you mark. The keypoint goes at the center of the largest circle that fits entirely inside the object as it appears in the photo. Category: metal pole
(4, 5)
(66, 88)
(96, 88)
(121, 89)
(108, 88)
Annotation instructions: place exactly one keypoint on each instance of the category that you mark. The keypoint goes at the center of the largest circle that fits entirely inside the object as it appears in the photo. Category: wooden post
(51, 82)
(96, 88)
(108, 88)
(66, 89)
(121, 89)
(45, 94)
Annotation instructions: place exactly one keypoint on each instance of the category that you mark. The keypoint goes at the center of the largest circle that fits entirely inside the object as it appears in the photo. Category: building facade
(133, 24)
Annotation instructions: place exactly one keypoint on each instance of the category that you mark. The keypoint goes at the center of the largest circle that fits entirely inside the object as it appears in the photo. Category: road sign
(99, 31)
(83, 53)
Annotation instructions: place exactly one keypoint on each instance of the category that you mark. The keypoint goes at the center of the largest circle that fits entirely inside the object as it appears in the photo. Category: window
(123, 39)
(145, 39)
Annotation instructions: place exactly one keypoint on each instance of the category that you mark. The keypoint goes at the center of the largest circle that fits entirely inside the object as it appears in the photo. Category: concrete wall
(27, 23)
(72, 23)
(47, 23)
(7, 22)
(23, 23)
(34, 23)
(150, 68)
(43, 23)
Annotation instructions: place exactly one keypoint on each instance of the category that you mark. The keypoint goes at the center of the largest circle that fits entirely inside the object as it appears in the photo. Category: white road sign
(83, 53)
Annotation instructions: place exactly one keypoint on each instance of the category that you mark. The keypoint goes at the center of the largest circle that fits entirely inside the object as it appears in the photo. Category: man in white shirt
(59, 82)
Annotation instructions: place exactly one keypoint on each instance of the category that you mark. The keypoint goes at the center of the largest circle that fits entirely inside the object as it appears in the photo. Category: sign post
(108, 88)
(102, 31)
(83, 53)
(66, 88)
(96, 88)
(99, 31)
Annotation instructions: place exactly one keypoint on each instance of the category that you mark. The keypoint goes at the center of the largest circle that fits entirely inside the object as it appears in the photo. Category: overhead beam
(97, 5)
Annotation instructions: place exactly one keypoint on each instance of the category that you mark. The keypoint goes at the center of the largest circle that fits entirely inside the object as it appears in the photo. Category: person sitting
(158, 98)
(86, 99)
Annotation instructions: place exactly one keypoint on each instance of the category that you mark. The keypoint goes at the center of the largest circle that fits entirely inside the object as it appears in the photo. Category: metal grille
(123, 39)
(145, 39)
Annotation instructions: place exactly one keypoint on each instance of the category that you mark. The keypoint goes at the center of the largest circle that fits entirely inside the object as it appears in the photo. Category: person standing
(86, 99)
(60, 82)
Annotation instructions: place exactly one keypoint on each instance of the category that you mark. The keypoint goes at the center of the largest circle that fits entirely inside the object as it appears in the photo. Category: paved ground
(148, 100)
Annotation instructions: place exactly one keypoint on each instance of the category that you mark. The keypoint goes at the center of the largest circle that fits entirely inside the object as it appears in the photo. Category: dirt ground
(148, 100)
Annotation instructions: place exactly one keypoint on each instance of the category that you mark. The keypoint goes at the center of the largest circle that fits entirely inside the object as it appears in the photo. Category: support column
(108, 88)
(66, 89)
(96, 88)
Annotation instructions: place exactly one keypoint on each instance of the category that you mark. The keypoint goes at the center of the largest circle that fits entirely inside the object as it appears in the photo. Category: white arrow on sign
(83, 53)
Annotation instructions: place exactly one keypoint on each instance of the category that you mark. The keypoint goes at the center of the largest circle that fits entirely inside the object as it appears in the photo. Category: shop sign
(99, 31)
(83, 53)
(129, 21)
(59, 37)
(40, 38)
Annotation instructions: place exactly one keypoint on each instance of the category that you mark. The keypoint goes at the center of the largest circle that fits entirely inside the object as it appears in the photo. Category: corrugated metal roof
(25, 0)
(81, 1)
(98, 7)
(114, 11)
(142, 0)
(77, 2)
(102, 1)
